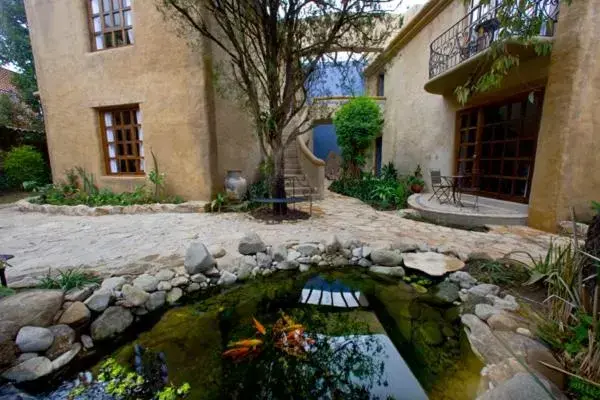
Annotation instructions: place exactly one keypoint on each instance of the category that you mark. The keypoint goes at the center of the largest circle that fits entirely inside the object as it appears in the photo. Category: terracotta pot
(235, 185)
(416, 188)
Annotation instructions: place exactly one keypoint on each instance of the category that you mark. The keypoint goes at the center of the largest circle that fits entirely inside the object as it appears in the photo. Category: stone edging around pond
(41, 331)
(83, 210)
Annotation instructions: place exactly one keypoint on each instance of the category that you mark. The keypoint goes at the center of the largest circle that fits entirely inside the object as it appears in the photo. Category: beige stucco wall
(419, 127)
(566, 171)
(160, 72)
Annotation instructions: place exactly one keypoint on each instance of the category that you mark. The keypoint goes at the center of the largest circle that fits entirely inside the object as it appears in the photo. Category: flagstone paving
(117, 243)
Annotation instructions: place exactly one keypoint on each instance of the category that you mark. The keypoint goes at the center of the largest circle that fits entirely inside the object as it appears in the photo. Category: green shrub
(80, 188)
(379, 193)
(389, 172)
(357, 124)
(25, 163)
(67, 280)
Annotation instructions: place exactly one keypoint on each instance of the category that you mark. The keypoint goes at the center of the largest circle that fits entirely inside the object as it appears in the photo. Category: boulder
(391, 271)
(483, 342)
(280, 253)
(463, 279)
(193, 287)
(79, 294)
(357, 252)
(67, 357)
(87, 342)
(198, 259)
(483, 290)
(76, 314)
(174, 295)
(227, 278)
(288, 265)
(304, 267)
(388, 258)
(164, 286)
(404, 245)
(146, 282)
(522, 386)
(533, 352)
(485, 311)
(114, 283)
(293, 255)
(308, 249)
(198, 278)
(507, 303)
(111, 322)
(25, 356)
(245, 266)
(31, 339)
(29, 370)
(217, 251)
(99, 300)
(9, 392)
(179, 281)
(264, 260)
(504, 321)
(445, 292)
(251, 244)
(34, 307)
(134, 295)
(431, 263)
(64, 337)
(363, 262)
(164, 275)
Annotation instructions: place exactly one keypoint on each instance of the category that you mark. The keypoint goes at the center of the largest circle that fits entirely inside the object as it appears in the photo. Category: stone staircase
(293, 169)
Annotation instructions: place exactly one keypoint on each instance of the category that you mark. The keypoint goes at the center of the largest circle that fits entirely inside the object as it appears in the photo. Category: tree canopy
(15, 50)
(274, 49)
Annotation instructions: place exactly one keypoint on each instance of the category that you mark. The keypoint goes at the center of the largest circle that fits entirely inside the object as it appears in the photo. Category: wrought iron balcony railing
(481, 27)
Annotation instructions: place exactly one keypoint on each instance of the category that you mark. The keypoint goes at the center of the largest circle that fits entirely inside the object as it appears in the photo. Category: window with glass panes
(110, 23)
(123, 140)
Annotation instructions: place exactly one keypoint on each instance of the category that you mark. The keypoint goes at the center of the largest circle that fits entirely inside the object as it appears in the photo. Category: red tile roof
(6, 85)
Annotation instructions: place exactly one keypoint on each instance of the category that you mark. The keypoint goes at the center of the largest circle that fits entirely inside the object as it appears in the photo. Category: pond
(364, 336)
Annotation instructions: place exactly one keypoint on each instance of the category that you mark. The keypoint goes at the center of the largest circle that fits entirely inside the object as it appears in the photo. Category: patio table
(454, 182)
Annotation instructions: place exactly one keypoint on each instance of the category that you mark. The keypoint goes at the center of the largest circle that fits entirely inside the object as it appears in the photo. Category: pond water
(384, 341)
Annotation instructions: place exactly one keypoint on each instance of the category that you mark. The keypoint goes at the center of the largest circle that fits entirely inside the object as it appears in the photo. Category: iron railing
(481, 27)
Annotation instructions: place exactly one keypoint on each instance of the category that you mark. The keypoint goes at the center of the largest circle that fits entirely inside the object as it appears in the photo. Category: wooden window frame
(479, 142)
(134, 141)
(114, 30)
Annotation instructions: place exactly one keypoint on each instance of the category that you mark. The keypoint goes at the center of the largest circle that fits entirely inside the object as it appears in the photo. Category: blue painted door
(324, 141)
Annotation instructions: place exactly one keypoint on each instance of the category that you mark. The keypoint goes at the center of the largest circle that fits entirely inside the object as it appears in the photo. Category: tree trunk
(278, 182)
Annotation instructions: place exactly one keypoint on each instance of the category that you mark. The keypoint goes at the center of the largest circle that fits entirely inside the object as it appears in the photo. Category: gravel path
(110, 243)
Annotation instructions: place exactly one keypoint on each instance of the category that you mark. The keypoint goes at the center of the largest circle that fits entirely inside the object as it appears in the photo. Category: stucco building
(117, 83)
(533, 140)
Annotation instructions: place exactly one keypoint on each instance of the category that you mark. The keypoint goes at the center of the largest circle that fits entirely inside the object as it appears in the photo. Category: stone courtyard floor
(119, 244)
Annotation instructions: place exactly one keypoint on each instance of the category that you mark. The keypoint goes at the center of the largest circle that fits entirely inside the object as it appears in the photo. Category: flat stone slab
(434, 264)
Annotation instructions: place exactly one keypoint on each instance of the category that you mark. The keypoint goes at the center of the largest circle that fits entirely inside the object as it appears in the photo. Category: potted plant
(415, 181)
(416, 184)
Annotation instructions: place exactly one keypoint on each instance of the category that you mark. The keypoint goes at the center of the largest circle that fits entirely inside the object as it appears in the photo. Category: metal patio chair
(473, 190)
(441, 189)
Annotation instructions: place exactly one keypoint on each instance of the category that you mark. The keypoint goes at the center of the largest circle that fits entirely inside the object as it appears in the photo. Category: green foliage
(357, 124)
(261, 189)
(69, 279)
(124, 384)
(15, 49)
(596, 207)
(379, 193)
(6, 291)
(498, 273)
(24, 163)
(80, 188)
(389, 172)
(219, 201)
(583, 390)
(157, 178)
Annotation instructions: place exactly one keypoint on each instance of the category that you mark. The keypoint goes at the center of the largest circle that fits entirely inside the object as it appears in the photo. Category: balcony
(468, 39)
